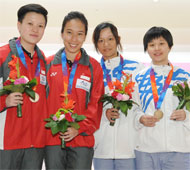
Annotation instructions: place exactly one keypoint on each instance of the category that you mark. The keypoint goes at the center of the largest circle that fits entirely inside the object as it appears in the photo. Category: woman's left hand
(178, 115)
(69, 134)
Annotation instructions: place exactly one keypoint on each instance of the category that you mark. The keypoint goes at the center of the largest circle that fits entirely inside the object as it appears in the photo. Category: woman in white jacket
(163, 132)
(114, 145)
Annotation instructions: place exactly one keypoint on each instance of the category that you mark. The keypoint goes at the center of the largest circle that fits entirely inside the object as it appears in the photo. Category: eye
(80, 33)
(29, 23)
(151, 45)
(100, 41)
(69, 32)
(162, 43)
(41, 26)
(110, 39)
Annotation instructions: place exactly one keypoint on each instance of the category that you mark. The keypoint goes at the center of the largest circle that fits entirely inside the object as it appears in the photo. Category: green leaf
(30, 93)
(3, 91)
(188, 106)
(15, 88)
(80, 117)
(180, 88)
(124, 108)
(55, 130)
(75, 125)
(32, 83)
(47, 119)
(187, 90)
(63, 125)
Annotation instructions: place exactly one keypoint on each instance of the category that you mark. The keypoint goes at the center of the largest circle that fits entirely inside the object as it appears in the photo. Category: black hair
(31, 8)
(75, 15)
(156, 32)
(101, 26)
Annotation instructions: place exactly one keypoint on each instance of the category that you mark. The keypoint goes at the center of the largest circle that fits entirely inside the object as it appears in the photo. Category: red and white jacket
(28, 131)
(87, 99)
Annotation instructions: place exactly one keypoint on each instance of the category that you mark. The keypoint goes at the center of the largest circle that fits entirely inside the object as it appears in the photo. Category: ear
(19, 26)
(62, 36)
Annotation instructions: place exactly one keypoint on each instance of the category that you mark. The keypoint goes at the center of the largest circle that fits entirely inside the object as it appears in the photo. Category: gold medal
(158, 114)
(37, 97)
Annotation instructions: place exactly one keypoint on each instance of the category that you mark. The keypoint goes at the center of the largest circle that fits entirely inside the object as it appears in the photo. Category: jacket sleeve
(93, 112)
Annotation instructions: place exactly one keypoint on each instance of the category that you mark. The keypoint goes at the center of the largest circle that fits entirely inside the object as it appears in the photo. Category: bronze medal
(158, 114)
(37, 97)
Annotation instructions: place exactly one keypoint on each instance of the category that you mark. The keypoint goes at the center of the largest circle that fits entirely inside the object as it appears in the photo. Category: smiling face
(31, 29)
(158, 50)
(73, 37)
(107, 45)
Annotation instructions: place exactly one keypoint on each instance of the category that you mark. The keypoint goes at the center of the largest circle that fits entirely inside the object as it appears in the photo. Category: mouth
(106, 50)
(73, 45)
(34, 35)
(157, 54)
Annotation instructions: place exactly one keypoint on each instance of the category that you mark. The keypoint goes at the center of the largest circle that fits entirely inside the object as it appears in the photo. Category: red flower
(68, 117)
(8, 82)
(114, 94)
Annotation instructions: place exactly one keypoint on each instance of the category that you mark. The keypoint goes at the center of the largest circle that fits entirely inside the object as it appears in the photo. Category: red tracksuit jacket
(90, 71)
(28, 131)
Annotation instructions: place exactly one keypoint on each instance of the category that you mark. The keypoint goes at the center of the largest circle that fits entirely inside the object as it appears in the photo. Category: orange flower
(13, 62)
(13, 74)
(68, 105)
(117, 84)
(129, 88)
(13, 67)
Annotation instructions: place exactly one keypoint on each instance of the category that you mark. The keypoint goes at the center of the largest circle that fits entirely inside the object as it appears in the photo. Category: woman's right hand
(13, 99)
(112, 114)
(149, 121)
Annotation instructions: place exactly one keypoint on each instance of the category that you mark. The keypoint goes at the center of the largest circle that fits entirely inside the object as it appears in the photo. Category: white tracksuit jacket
(118, 141)
(167, 135)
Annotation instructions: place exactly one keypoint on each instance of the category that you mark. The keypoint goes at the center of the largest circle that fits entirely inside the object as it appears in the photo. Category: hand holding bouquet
(64, 118)
(17, 83)
(121, 96)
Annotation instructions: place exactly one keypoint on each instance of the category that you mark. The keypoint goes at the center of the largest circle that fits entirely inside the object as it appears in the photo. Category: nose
(74, 37)
(35, 28)
(157, 47)
(106, 43)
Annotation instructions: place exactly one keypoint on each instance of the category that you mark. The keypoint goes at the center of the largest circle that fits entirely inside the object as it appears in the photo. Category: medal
(158, 114)
(37, 97)
(158, 99)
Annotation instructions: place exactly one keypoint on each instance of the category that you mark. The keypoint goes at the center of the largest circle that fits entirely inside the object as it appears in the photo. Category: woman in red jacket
(22, 139)
(85, 87)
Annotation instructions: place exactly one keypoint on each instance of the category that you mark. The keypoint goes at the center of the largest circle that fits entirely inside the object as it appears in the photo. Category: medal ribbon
(23, 60)
(158, 100)
(68, 80)
(108, 77)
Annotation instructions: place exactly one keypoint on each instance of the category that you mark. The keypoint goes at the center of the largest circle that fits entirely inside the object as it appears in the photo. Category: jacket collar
(84, 60)
(12, 44)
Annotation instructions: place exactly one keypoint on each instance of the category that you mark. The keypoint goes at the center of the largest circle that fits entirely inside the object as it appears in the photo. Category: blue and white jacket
(167, 135)
(118, 141)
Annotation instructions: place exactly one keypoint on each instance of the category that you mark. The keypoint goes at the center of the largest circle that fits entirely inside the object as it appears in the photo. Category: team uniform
(87, 90)
(115, 144)
(22, 136)
(169, 140)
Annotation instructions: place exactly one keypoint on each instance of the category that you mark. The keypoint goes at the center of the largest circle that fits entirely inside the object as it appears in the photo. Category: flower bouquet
(120, 97)
(64, 118)
(182, 91)
(17, 83)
